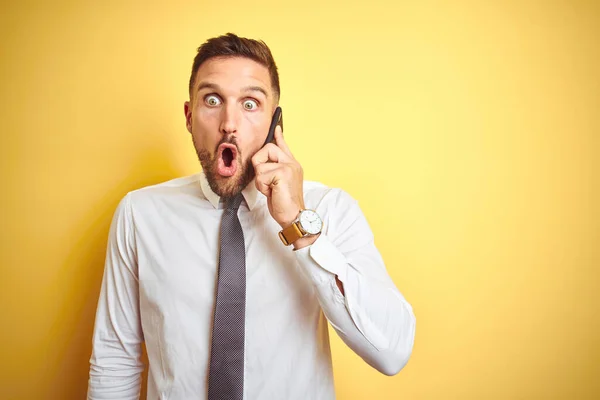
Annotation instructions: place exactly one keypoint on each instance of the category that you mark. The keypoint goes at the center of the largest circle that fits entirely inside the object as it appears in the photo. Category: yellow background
(468, 131)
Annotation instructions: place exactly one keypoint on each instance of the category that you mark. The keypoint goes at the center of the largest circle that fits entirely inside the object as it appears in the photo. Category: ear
(188, 115)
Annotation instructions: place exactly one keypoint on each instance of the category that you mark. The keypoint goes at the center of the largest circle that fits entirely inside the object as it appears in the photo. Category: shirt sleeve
(372, 317)
(115, 364)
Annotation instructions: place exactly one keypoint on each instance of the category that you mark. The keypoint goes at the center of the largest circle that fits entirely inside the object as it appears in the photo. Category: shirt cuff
(321, 262)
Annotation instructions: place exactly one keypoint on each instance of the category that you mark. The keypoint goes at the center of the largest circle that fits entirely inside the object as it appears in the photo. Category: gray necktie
(226, 375)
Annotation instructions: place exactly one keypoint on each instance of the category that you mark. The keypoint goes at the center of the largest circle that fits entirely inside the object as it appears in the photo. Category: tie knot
(234, 203)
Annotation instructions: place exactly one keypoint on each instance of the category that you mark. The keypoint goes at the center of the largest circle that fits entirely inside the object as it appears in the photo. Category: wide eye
(250, 105)
(212, 100)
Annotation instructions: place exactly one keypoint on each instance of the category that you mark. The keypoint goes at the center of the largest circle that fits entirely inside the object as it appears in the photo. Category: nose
(229, 119)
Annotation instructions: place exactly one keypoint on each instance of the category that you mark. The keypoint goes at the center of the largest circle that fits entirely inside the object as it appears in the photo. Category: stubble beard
(225, 187)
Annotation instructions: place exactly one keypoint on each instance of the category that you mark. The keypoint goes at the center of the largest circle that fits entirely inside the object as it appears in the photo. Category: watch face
(310, 222)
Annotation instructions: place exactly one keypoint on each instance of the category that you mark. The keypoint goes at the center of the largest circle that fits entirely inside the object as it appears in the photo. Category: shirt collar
(250, 193)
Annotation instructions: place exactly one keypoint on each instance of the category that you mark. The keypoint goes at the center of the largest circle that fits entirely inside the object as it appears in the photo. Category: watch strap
(290, 234)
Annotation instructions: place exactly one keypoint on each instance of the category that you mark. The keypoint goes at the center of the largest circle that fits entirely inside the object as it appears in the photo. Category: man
(259, 332)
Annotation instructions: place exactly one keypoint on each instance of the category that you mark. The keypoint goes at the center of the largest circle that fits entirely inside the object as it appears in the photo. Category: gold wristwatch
(306, 223)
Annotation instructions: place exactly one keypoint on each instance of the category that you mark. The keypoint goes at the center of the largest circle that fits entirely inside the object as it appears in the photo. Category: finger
(264, 177)
(281, 142)
(270, 152)
(264, 189)
(272, 175)
(261, 169)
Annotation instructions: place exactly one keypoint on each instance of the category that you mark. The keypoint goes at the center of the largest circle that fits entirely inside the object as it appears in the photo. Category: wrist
(288, 221)
(290, 218)
(303, 230)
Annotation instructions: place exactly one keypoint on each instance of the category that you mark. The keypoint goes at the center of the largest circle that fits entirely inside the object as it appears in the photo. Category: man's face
(229, 114)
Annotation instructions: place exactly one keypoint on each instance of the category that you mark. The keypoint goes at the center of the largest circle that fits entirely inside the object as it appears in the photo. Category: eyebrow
(214, 86)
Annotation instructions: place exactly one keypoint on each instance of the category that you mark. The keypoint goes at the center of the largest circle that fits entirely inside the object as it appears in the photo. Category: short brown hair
(231, 45)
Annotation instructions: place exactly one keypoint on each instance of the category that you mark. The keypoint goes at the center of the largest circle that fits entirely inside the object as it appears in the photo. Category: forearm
(371, 316)
(115, 364)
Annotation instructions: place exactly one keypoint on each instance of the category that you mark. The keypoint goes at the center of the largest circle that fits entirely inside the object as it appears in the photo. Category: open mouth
(227, 156)
(227, 162)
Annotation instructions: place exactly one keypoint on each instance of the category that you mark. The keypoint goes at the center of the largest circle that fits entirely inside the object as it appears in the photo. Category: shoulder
(170, 191)
(172, 186)
(339, 210)
(324, 197)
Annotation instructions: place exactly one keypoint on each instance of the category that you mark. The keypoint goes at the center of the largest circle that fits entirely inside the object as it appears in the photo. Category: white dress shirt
(159, 287)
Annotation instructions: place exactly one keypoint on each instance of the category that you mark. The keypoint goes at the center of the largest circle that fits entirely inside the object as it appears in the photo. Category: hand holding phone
(279, 176)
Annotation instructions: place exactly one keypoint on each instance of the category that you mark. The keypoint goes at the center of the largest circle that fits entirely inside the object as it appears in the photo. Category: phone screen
(276, 120)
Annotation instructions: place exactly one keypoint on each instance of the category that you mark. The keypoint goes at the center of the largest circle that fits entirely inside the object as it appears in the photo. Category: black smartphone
(276, 120)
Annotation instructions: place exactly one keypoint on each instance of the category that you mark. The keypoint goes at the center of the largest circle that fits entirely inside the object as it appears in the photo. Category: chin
(228, 187)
